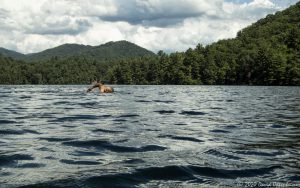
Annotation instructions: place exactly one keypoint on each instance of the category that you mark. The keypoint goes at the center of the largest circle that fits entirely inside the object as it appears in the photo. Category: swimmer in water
(101, 86)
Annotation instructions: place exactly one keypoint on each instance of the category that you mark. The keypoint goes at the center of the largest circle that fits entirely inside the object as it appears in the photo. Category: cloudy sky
(171, 25)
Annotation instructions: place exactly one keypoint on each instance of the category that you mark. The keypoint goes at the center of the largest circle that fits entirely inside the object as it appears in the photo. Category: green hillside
(265, 53)
(73, 70)
(116, 50)
(63, 51)
(12, 54)
(108, 51)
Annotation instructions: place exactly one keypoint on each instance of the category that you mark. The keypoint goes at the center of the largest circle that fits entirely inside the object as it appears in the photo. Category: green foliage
(265, 53)
(12, 54)
(108, 51)
(54, 71)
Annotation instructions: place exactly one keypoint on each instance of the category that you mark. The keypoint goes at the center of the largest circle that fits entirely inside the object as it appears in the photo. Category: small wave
(124, 93)
(38, 115)
(17, 132)
(61, 103)
(119, 120)
(121, 141)
(72, 162)
(2, 174)
(260, 153)
(67, 108)
(128, 115)
(219, 131)
(75, 118)
(276, 126)
(222, 155)
(140, 176)
(143, 101)
(11, 159)
(50, 158)
(13, 132)
(7, 122)
(161, 101)
(69, 126)
(294, 178)
(178, 173)
(233, 174)
(46, 99)
(85, 153)
(5, 92)
(45, 149)
(192, 113)
(25, 97)
(52, 139)
(133, 161)
(31, 131)
(230, 127)
(217, 108)
(166, 173)
(31, 165)
(106, 131)
(104, 116)
(152, 130)
(89, 104)
(111, 147)
(230, 100)
(165, 111)
(181, 138)
(180, 123)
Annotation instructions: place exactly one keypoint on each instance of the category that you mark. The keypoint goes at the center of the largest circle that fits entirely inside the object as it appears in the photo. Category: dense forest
(73, 70)
(108, 51)
(265, 53)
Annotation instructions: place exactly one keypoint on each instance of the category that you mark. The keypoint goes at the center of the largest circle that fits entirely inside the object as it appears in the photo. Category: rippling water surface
(149, 136)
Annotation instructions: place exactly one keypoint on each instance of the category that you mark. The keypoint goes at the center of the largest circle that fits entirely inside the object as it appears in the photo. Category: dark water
(149, 136)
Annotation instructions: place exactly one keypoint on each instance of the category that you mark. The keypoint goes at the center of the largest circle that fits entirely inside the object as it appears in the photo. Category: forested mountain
(74, 70)
(116, 50)
(11, 53)
(108, 51)
(265, 53)
(62, 51)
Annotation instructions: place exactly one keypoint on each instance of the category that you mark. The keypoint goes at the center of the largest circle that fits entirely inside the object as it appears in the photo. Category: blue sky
(29, 26)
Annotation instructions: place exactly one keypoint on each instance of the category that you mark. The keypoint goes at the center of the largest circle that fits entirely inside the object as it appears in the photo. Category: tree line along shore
(265, 53)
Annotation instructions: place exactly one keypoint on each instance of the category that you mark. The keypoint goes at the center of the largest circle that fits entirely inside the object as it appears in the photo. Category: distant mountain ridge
(264, 53)
(11, 53)
(107, 51)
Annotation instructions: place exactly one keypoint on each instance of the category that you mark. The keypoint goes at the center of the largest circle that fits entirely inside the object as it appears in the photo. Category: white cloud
(150, 11)
(34, 25)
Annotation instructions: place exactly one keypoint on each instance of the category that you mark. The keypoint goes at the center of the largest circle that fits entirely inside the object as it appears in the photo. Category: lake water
(149, 136)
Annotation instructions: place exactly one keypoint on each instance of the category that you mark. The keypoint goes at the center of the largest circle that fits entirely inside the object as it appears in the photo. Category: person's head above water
(102, 88)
